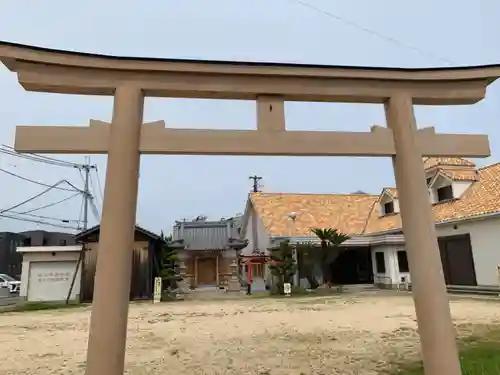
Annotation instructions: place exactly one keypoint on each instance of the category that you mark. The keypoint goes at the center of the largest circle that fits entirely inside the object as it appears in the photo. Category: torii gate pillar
(437, 334)
(108, 323)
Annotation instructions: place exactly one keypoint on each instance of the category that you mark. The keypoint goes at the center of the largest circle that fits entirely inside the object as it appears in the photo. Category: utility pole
(255, 185)
(87, 196)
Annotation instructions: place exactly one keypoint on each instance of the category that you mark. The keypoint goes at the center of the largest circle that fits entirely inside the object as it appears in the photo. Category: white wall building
(48, 272)
(465, 203)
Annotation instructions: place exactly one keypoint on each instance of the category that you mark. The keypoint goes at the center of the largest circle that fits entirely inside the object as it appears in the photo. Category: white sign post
(157, 290)
(287, 288)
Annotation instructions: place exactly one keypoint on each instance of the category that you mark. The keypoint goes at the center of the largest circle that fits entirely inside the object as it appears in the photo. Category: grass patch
(39, 306)
(479, 355)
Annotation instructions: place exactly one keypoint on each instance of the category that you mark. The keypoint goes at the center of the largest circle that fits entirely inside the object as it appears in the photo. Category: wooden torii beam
(156, 139)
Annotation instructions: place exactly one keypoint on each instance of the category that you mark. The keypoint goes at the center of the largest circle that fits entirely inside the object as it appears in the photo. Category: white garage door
(50, 281)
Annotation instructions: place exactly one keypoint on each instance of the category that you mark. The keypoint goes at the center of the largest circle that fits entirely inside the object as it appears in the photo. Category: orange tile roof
(482, 197)
(391, 191)
(345, 212)
(360, 214)
(434, 162)
(460, 174)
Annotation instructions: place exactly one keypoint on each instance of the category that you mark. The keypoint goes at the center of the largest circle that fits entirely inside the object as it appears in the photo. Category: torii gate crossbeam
(129, 80)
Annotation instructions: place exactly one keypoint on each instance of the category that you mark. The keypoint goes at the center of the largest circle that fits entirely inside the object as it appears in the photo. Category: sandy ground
(336, 335)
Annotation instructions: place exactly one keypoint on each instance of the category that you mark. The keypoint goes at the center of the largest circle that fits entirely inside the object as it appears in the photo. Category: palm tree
(331, 239)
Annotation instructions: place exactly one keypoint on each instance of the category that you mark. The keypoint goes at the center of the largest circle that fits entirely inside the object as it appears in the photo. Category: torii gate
(129, 80)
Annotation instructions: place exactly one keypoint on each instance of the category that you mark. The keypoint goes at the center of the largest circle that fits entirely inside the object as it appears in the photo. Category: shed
(48, 272)
(146, 249)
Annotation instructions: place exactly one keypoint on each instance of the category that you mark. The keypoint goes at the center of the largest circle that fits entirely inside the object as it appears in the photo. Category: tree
(331, 239)
(308, 259)
(169, 262)
(283, 265)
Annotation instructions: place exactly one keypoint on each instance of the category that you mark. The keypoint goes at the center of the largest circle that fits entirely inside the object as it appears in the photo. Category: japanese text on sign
(48, 277)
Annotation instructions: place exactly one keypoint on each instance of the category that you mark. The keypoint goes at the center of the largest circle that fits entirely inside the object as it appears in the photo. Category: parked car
(7, 281)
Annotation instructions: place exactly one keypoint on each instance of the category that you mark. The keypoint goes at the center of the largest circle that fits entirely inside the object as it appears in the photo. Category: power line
(94, 189)
(40, 158)
(30, 157)
(49, 205)
(39, 222)
(32, 198)
(372, 31)
(99, 185)
(46, 217)
(36, 159)
(39, 183)
(87, 196)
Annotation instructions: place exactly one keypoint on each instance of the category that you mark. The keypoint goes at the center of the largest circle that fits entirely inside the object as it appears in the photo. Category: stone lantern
(233, 284)
(182, 269)
(182, 285)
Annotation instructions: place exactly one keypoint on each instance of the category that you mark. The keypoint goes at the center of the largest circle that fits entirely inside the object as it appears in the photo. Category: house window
(380, 261)
(403, 261)
(389, 208)
(445, 193)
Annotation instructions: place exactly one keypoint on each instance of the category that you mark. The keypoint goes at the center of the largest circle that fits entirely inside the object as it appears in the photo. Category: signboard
(287, 288)
(48, 277)
(157, 290)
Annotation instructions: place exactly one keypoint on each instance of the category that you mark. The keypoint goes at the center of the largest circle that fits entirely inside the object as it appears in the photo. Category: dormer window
(388, 202)
(444, 193)
(389, 208)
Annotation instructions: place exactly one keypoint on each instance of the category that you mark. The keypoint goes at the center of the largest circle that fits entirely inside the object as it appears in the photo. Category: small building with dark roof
(146, 251)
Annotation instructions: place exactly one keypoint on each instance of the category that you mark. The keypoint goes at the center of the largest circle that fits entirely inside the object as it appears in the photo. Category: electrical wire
(39, 183)
(372, 31)
(32, 198)
(51, 161)
(99, 186)
(80, 216)
(93, 188)
(40, 158)
(48, 205)
(35, 159)
(39, 222)
(95, 211)
(46, 217)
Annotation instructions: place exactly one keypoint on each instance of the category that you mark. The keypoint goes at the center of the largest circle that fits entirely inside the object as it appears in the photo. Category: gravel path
(346, 336)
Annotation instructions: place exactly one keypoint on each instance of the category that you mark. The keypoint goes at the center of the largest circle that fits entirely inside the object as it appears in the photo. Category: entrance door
(457, 260)
(207, 271)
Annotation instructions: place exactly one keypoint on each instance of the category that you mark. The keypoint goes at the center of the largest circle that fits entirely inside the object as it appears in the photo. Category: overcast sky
(417, 34)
